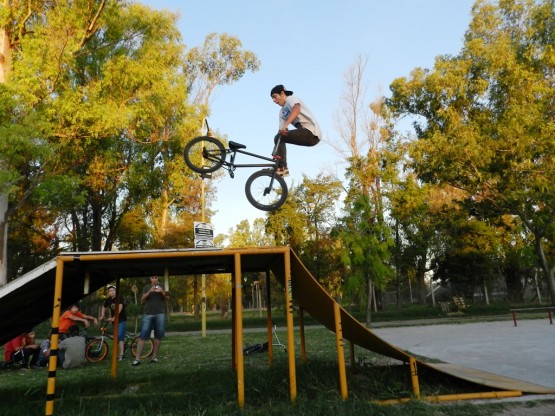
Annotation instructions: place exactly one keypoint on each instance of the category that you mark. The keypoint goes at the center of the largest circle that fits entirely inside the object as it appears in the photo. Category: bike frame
(234, 152)
(231, 165)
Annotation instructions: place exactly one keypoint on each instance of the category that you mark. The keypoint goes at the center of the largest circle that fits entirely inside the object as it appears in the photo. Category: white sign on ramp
(204, 235)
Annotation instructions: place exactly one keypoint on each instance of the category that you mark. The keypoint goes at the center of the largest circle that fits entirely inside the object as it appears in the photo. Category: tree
(485, 119)
(365, 235)
(33, 58)
(95, 112)
(286, 225)
(318, 201)
(219, 61)
(245, 236)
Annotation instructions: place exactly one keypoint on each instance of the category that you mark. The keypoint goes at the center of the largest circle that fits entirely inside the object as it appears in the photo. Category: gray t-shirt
(74, 351)
(304, 119)
(155, 304)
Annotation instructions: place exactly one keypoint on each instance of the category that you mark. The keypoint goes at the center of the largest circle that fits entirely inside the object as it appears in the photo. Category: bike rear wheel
(266, 190)
(96, 350)
(147, 348)
(204, 154)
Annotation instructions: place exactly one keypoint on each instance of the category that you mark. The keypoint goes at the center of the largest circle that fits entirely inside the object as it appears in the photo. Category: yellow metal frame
(312, 298)
(237, 316)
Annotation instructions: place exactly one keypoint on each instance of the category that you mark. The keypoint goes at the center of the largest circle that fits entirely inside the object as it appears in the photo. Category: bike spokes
(265, 190)
(204, 154)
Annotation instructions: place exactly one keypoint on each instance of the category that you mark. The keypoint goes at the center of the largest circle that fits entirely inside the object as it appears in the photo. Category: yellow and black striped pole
(54, 338)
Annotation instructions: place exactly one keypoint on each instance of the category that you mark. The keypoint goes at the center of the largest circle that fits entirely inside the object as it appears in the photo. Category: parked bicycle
(265, 189)
(97, 348)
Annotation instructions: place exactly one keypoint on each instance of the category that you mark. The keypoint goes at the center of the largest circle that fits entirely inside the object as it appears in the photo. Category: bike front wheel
(96, 350)
(266, 190)
(147, 348)
(204, 154)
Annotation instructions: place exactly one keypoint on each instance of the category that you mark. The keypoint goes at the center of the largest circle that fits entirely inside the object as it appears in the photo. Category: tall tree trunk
(369, 303)
(5, 69)
(548, 272)
(3, 240)
(421, 278)
(5, 52)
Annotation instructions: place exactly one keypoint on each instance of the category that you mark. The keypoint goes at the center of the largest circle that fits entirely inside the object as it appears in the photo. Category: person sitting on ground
(72, 317)
(71, 351)
(21, 350)
(44, 353)
(293, 112)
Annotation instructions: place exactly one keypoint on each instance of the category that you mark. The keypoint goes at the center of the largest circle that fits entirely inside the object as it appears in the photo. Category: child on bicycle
(293, 112)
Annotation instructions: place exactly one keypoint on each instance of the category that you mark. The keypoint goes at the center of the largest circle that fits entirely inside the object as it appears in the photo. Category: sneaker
(283, 172)
(154, 360)
(135, 363)
(120, 357)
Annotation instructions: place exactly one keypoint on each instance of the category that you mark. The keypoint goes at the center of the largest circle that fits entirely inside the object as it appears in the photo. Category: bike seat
(236, 146)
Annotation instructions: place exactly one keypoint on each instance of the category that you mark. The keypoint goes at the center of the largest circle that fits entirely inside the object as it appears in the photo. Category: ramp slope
(314, 299)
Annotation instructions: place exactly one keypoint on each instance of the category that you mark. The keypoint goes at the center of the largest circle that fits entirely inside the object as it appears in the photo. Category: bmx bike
(265, 189)
(97, 348)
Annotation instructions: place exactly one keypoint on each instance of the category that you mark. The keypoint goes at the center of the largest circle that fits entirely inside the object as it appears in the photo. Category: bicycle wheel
(204, 154)
(265, 190)
(147, 348)
(96, 350)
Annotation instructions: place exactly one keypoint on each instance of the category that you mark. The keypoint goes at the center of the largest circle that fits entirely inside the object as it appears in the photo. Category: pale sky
(308, 45)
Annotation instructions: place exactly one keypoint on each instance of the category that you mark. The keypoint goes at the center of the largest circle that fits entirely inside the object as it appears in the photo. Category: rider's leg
(300, 137)
(121, 337)
(281, 150)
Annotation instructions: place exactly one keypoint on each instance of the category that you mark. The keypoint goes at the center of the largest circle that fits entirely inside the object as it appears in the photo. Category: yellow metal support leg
(414, 378)
(54, 340)
(290, 328)
(340, 352)
(239, 332)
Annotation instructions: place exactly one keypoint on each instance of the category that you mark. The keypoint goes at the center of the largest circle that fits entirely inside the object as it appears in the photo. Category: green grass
(195, 377)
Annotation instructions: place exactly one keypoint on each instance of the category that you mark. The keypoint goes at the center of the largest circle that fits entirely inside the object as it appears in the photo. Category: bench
(460, 303)
(548, 308)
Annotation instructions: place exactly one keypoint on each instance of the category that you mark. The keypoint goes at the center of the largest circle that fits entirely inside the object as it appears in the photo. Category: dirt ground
(534, 408)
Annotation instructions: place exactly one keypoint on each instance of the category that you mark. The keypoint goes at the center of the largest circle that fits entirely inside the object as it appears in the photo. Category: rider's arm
(295, 111)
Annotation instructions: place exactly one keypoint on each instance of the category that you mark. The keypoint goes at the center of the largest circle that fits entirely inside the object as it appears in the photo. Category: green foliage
(219, 61)
(366, 249)
(95, 112)
(484, 118)
(246, 236)
(286, 225)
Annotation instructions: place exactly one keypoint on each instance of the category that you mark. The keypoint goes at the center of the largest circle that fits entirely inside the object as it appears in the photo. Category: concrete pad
(525, 352)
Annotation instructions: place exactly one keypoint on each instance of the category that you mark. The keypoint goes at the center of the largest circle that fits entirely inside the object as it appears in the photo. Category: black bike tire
(147, 348)
(102, 350)
(214, 160)
(255, 196)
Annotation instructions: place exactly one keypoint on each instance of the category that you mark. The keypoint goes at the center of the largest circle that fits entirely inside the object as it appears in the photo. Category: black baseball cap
(278, 89)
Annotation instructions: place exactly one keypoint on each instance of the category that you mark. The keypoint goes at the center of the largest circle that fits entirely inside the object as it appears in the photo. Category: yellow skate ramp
(314, 299)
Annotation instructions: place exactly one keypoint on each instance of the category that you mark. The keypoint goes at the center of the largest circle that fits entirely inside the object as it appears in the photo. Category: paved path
(525, 352)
